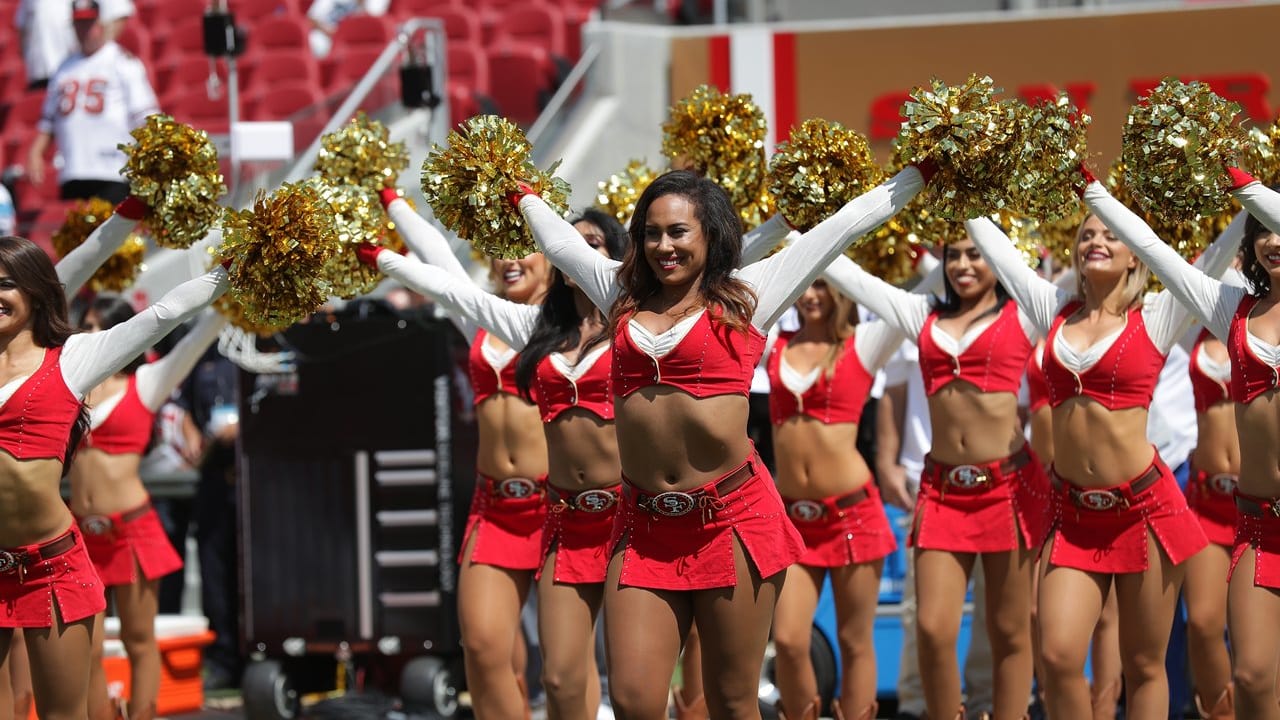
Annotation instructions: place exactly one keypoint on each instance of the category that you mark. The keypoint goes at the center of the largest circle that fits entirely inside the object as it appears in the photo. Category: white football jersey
(92, 104)
(49, 37)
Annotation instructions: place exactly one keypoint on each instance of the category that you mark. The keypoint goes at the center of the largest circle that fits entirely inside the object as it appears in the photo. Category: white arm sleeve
(876, 342)
(1262, 202)
(931, 280)
(139, 96)
(80, 264)
(156, 381)
(563, 245)
(904, 311)
(1037, 298)
(425, 240)
(1199, 294)
(780, 279)
(511, 322)
(758, 242)
(90, 358)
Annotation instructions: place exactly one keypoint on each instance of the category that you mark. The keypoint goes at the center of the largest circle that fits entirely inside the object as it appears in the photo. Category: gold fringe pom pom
(120, 270)
(1262, 153)
(468, 183)
(722, 136)
(1058, 237)
(362, 154)
(618, 194)
(819, 169)
(889, 254)
(358, 218)
(280, 248)
(173, 168)
(1189, 237)
(972, 137)
(1048, 180)
(235, 314)
(1178, 143)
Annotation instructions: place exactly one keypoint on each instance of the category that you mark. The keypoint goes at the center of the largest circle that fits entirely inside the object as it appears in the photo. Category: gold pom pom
(1188, 237)
(1048, 180)
(280, 248)
(358, 218)
(1262, 153)
(1178, 144)
(234, 312)
(173, 168)
(888, 254)
(972, 137)
(819, 169)
(468, 185)
(120, 270)
(362, 154)
(722, 137)
(1058, 237)
(618, 194)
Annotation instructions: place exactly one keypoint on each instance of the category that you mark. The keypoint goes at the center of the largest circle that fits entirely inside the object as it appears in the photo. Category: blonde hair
(1135, 284)
(840, 324)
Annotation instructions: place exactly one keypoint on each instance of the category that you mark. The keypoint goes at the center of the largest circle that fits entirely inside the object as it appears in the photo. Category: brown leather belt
(1109, 498)
(814, 510)
(97, 525)
(674, 503)
(11, 560)
(976, 477)
(1257, 507)
(594, 500)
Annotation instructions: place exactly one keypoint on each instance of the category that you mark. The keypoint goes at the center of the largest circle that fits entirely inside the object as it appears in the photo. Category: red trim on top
(718, 67)
(784, 85)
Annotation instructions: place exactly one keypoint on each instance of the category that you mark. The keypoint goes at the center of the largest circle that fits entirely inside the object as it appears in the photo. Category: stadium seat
(419, 8)
(460, 24)
(184, 73)
(521, 79)
(164, 14)
(135, 38)
(462, 103)
(344, 68)
(196, 109)
(278, 66)
(278, 31)
(25, 111)
(468, 66)
(249, 12)
(359, 31)
(186, 37)
(283, 101)
(535, 25)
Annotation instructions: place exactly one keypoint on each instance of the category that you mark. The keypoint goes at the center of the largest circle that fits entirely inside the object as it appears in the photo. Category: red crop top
(1037, 386)
(1250, 377)
(591, 391)
(835, 399)
(1124, 377)
(712, 359)
(486, 381)
(127, 428)
(993, 363)
(1208, 391)
(36, 421)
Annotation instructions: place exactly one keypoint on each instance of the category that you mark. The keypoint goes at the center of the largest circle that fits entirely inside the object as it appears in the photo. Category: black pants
(113, 191)
(215, 519)
(175, 516)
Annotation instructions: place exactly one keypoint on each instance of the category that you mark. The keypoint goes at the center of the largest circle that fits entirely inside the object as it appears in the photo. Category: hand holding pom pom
(368, 253)
(1240, 178)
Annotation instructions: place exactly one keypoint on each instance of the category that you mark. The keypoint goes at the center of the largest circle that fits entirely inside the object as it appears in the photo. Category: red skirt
(1211, 498)
(694, 550)
(1258, 527)
(578, 529)
(27, 593)
(121, 543)
(957, 510)
(1113, 538)
(506, 520)
(841, 530)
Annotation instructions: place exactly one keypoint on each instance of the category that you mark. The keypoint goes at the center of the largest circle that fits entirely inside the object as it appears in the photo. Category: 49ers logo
(1223, 483)
(673, 504)
(8, 561)
(1098, 499)
(967, 476)
(805, 510)
(594, 501)
(95, 525)
(516, 488)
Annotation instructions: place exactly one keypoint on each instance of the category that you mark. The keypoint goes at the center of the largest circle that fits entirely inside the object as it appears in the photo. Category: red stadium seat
(25, 112)
(521, 79)
(468, 67)
(168, 13)
(279, 31)
(280, 66)
(419, 8)
(249, 12)
(284, 101)
(183, 74)
(460, 24)
(135, 38)
(196, 109)
(462, 103)
(535, 25)
(186, 37)
(363, 31)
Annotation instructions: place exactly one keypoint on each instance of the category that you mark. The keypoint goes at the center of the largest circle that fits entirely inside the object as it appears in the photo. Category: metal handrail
(561, 96)
(440, 72)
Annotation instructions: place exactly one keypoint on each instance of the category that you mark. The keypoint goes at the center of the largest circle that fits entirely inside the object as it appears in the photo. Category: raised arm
(90, 358)
(156, 381)
(424, 239)
(780, 279)
(511, 322)
(563, 245)
(1038, 298)
(1261, 201)
(1201, 295)
(758, 242)
(80, 264)
(876, 342)
(903, 311)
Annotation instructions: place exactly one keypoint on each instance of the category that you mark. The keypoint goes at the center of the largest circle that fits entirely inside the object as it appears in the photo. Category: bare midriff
(972, 427)
(1099, 448)
(511, 442)
(103, 483)
(583, 451)
(670, 440)
(1259, 424)
(817, 460)
(31, 501)
(1217, 445)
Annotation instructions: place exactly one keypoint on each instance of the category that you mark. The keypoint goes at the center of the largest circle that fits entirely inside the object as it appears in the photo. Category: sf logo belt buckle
(594, 501)
(806, 510)
(967, 477)
(1097, 499)
(96, 525)
(672, 503)
(8, 561)
(1223, 483)
(517, 488)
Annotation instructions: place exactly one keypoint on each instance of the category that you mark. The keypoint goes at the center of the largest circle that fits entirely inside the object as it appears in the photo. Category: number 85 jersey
(92, 104)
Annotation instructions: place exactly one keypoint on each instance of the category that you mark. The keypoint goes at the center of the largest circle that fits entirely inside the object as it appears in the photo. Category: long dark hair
(950, 301)
(29, 268)
(723, 232)
(558, 321)
(112, 310)
(1254, 274)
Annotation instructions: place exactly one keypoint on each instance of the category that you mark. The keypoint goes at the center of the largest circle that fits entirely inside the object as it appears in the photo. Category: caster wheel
(428, 685)
(268, 693)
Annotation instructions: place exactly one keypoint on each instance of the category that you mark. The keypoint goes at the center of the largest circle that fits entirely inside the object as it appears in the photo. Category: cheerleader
(983, 493)
(819, 379)
(1119, 519)
(122, 533)
(701, 534)
(48, 585)
(1247, 321)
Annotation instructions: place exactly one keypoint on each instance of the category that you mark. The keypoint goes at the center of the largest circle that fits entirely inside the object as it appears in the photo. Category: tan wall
(857, 77)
